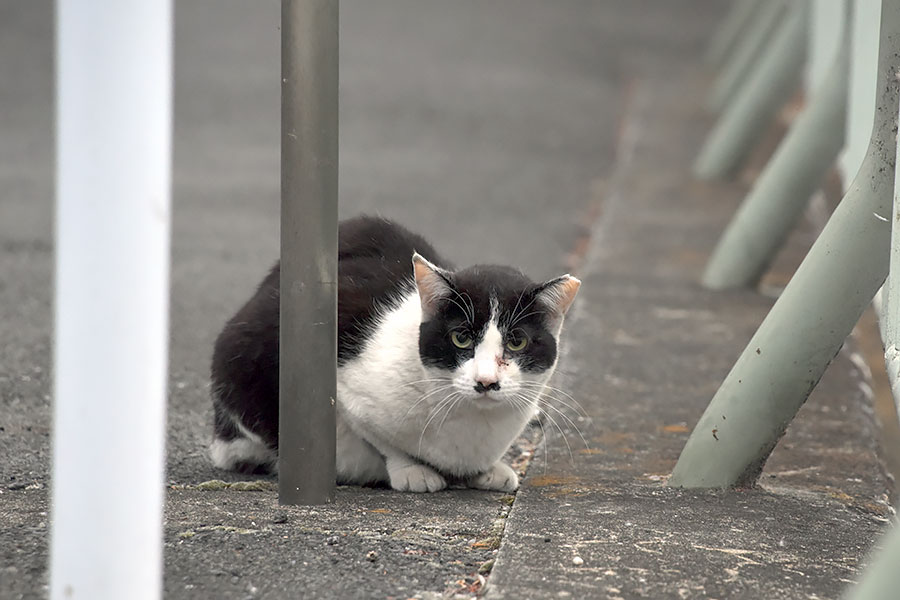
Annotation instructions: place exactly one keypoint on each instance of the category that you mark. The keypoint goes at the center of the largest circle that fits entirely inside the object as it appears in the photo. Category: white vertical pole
(114, 89)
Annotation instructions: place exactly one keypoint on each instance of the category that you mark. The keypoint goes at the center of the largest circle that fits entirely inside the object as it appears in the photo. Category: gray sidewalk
(567, 124)
(649, 350)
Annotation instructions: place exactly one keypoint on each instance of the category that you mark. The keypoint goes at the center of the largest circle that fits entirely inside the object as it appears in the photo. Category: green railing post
(768, 86)
(782, 191)
(881, 580)
(827, 28)
(813, 316)
(747, 51)
(890, 313)
(309, 180)
(863, 74)
(730, 30)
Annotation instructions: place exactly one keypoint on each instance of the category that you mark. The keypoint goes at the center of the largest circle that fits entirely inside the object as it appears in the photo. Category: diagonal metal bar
(810, 321)
(781, 193)
(768, 86)
(309, 180)
(729, 32)
(882, 578)
(748, 50)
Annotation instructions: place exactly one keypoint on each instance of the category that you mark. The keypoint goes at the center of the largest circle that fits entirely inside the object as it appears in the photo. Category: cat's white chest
(389, 398)
(464, 438)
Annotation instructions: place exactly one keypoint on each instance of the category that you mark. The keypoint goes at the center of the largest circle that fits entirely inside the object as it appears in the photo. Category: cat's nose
(491, 386)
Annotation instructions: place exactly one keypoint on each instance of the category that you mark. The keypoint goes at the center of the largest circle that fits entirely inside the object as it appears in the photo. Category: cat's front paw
(416, 478)
(499, 477)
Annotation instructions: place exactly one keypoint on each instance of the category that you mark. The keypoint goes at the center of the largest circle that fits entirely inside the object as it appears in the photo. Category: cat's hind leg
(236, 448)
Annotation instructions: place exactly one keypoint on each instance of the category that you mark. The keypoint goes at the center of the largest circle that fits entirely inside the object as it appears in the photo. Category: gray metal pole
(747, 51)
(309, 185)
(781, 193)
(729, 31)
(813, 316)
(768, 86)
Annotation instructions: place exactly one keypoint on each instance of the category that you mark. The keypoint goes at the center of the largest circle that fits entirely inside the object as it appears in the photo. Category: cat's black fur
(374, 269)
(374, 272)
(514, 291)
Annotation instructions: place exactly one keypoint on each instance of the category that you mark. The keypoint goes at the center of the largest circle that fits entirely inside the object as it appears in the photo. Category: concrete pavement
(554, 136)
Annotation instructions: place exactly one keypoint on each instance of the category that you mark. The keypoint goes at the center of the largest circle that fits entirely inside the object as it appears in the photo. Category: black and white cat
(439, 370)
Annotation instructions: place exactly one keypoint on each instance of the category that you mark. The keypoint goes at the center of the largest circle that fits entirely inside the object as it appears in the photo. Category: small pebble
(577, 561)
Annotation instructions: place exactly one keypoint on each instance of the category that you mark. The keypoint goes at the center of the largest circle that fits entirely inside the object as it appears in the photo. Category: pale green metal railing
(882, 579)
(747, 49)
(845, 267)
(784, 187)
(766, 87)
(848, 262)
(742, 14)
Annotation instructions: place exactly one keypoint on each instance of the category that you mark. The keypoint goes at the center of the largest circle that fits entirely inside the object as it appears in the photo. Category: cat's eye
(461, 339)
(515, 344)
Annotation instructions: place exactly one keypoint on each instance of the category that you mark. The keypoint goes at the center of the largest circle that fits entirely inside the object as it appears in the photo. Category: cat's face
(490, 330)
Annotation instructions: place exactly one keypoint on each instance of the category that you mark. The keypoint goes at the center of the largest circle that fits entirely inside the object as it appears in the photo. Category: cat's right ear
(433, 284)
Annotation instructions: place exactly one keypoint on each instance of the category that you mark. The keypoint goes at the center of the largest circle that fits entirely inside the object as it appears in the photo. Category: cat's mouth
(489, 398)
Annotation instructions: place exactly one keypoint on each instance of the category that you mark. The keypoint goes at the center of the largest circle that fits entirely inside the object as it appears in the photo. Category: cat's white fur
(438, 418)
(402, 428)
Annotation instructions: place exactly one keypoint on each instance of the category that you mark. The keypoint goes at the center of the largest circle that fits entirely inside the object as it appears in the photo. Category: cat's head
(493, 332)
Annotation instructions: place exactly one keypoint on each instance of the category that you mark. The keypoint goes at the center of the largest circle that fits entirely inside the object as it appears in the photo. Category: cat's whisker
(516, 315)
(525, 316)
(570, 422)
(437, 390)
(561, 433)
(544, 438)
(575, 407)
(573, 420)
(525, 408)
(434, 412)
(447, 400)
(515, 309)
(432, 380)
(467, 300)
(464, 310)
(542, 402)
(447, 413)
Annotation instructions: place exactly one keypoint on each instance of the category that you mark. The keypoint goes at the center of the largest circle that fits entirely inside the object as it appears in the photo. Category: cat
(439, 370)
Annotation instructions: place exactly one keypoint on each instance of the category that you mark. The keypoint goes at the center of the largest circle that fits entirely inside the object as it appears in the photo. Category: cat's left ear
(433, 284)
(558, 294)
